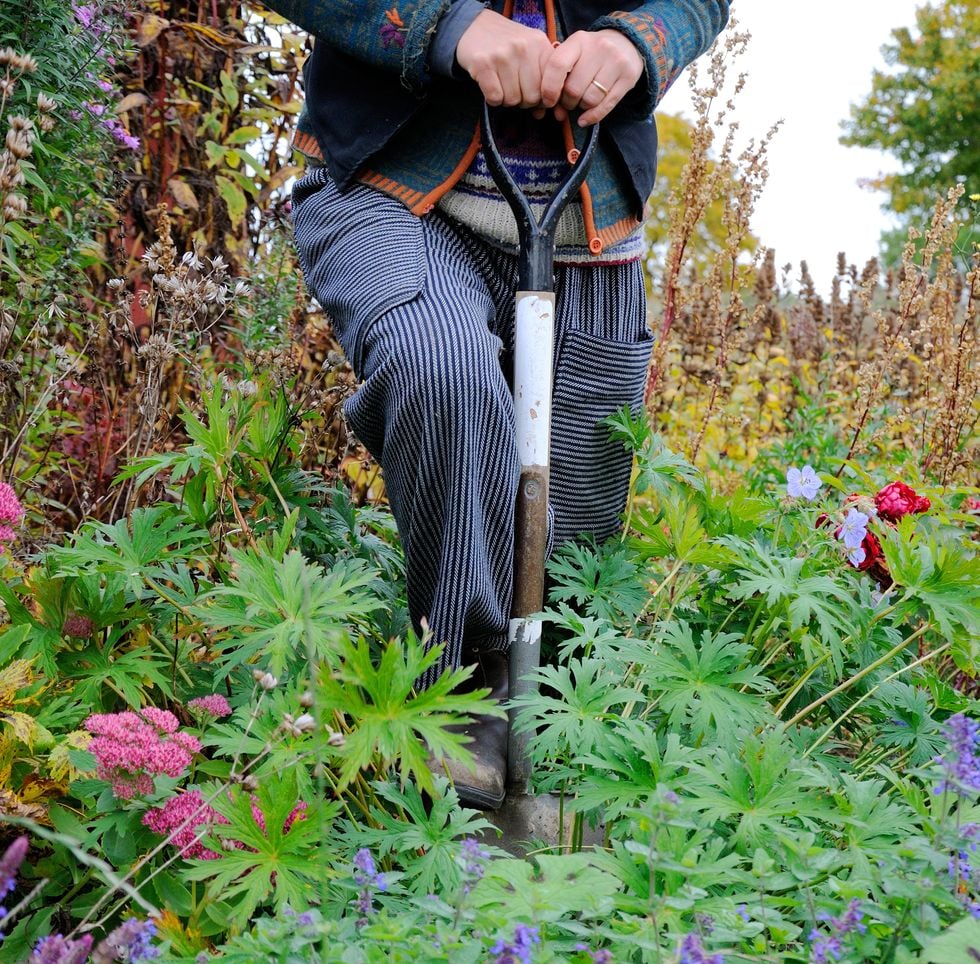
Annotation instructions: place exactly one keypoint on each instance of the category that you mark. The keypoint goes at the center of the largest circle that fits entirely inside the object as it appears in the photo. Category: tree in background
(925, 110)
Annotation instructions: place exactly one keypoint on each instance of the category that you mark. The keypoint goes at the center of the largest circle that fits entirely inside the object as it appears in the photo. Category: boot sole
(480, 799)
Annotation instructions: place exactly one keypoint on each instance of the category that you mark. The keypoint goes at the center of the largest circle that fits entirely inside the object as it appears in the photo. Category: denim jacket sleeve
(670, 34)
(390, 34)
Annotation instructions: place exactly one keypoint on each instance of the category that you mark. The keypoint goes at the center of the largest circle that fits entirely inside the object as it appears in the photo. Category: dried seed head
(25, 63)
(19, 143)
(46, 104)
(14, 206)
(268, 682)
(250, 782)
(304, 723)
(306, 700)
(334, 738)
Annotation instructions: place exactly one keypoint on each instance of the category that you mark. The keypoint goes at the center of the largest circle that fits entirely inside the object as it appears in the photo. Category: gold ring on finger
(605, 90)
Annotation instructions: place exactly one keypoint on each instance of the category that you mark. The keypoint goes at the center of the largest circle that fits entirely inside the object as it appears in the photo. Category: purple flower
(86, 14)
(854, 528)
(56, 949)
(366, 873)
(743, 911)
(366, 877)
(824, 946)
(802, 483)
(693, 952)
(705, 922)
(856, 556)
(520, 949)
(10, 863)
(961, 766)
(473, 860)
(130, 941)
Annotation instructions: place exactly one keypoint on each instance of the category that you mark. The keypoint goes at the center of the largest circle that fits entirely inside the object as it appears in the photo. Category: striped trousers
(424, 311)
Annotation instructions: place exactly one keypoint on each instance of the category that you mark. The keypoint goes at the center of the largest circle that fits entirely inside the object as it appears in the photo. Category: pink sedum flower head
(132, 748)
(802, 483)
(214, 707)
(185, 818)
(11, 513)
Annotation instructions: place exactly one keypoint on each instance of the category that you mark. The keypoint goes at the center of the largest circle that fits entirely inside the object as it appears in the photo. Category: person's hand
(592, 71)
(505, 58)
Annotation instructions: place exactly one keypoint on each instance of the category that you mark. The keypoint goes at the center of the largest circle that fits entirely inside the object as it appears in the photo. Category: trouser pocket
(589, 472)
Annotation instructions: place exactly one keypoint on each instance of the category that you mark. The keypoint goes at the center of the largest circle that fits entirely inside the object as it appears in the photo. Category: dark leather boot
(484, 784)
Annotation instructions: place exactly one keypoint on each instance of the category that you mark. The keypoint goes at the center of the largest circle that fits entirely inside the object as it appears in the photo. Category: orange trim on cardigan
(306, 143)
(595, 239)
(428, 202)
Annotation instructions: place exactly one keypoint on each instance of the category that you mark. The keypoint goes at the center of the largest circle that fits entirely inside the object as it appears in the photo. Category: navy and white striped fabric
(425, 312)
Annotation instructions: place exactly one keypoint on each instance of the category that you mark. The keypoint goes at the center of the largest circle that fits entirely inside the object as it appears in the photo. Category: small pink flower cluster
(214, 706)
(11, 512)
(131, 748)
(87, 14)
(185, 817)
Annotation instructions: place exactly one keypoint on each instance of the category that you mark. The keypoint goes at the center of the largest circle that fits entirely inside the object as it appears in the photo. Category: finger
(490, 87)
(595, 114)
(577, 85)
(530, 80)
(557, 68)
(510, 81)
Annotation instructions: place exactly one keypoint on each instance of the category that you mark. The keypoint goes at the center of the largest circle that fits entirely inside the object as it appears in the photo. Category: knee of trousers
(432, 382)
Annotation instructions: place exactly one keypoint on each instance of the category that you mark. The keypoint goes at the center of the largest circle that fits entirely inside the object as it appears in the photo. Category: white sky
(807, 64)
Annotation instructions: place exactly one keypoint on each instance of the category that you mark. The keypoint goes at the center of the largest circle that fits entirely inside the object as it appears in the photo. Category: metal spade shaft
(533, 376)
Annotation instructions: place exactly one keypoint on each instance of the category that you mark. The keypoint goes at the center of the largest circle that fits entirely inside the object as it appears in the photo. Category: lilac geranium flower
(854, 529)
(802, 483)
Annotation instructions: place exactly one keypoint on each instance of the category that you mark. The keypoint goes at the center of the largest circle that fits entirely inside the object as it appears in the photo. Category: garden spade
(523, 816)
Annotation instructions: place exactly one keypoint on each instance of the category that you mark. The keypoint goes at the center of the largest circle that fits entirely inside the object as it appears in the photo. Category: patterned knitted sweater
(375, 111)
(535, 154)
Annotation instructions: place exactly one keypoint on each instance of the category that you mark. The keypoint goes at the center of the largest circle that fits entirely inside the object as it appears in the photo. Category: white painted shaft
(534, 333)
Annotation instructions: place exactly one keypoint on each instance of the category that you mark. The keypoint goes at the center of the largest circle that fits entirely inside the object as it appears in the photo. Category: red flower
(898, 500)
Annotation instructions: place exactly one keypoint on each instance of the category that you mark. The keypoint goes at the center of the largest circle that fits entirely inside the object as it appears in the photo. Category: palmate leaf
(808, 599)
(659, 469)
(130, 674)
(875, 823)
(697, 684)
(135, 547)
(626, 772)
(604, 582)
(908, 722)
(759, 788)
(391, 724)
(426, 845)
(577, 720)
(944, 577)
(280, 611)
(676, 531)
(273, 864)
(542, 889)
(586, 633)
